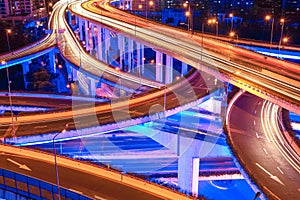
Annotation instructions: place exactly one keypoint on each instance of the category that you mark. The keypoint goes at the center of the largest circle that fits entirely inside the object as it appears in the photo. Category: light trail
(275, 135)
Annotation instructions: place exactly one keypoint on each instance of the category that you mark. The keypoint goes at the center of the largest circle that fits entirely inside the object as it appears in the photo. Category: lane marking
(21, 166)
(257, 135)
(100, 198)
(76, 191)
(279, 170)
(275, 178)
(265, 151)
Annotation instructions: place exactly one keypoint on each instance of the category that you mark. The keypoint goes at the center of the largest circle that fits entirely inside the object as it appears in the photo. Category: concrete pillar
(92, 86)
(69, 71)
(69, 18)
(159, 66)
(25, 67)
(74, 74)
(86, 28)
(169, 69)
(138, 58)
(114, 50)
(195, 176)
(121, 50)
(52, 62)
(76, 20)
(184, 69)
(143, 56)
(93, 35)
(107, 45)
(99, 43)
(188, 168)
(80, 26)
(130, 54)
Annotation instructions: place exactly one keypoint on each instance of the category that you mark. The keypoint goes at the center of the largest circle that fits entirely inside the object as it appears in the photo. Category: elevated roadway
(255, 134)
(72, 51)
(272, 79)
(181, 93)
(89, 180)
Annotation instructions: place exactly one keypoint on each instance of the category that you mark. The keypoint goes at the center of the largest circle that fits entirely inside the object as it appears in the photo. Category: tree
(40, 80)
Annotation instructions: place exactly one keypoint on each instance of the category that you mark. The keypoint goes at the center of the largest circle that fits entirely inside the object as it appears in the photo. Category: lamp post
(284, 41)
(282, 20)
(232, 34)
(151, 3)
(188, 14)
(268, 18)
(55, 161)
(3, 62)
(8, 31)
(214, 21)
(231, 16)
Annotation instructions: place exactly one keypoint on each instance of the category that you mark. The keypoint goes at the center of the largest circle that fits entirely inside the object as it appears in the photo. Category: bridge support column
(69, 18)
(143, 58)
(107, 45)
(92, 86)
(25, 67)
(69, 71)
(80, 26)
(99, 44)
(188, 167)
(130, 54)
(184, 69)
(93, 35)
(139, 60)
(52, 62)
(114, 50)
(86, 29)
(159, 66)
(169, 69)
(74, 74)
(121, 51)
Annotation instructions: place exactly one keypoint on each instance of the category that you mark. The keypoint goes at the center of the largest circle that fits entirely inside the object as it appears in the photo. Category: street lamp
(231, 16)
(151, 3)
(214, 21)
(282, 20)
(8, 31)
(232, 34)
(268, 18)
(9, 97)
(187, 14)
(55, 161)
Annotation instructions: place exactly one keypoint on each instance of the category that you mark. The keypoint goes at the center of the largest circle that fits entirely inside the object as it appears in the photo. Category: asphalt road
(260, 157)
(85, 183)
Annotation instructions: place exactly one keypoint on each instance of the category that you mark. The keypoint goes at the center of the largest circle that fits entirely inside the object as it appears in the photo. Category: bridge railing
(33, 188)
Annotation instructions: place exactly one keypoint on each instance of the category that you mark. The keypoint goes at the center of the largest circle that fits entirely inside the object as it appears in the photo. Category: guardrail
(33, 188)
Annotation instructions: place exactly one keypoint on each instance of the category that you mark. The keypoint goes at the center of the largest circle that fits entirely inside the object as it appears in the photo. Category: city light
(268, 17)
